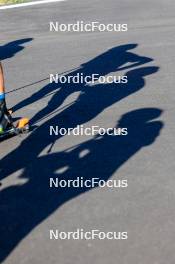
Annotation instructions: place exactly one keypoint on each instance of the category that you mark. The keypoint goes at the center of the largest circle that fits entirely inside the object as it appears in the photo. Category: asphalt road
(145, 158)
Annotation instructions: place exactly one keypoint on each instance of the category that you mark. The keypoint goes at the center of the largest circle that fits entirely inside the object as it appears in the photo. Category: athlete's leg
(2, 89)
(2, 86)
(3, 108)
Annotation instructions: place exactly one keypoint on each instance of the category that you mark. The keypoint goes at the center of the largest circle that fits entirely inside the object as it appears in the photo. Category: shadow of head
(10, 49)
(141, 124)
(116, 58)
(122, 48)
(112, 53)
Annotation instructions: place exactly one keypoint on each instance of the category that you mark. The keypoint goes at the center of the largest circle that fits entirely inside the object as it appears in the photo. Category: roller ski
(7, 126)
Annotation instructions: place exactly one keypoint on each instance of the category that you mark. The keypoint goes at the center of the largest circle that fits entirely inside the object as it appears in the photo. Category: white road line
(29, 4)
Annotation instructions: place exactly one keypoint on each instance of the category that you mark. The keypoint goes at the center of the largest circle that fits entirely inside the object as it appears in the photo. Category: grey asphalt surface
(29, 209)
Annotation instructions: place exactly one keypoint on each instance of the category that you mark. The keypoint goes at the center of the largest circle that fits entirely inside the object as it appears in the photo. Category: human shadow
(10, 49)
(115, 59)
(27, 205)
(88, 105)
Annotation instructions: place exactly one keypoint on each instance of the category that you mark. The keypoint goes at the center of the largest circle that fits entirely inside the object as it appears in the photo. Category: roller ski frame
(21, 127)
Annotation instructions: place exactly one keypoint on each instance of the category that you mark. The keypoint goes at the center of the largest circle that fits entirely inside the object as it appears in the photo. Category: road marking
(30, 4)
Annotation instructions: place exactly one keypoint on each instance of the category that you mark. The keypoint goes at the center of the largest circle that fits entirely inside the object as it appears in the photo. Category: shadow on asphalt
(25, 206)
(10, 49)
